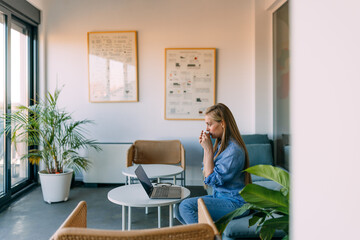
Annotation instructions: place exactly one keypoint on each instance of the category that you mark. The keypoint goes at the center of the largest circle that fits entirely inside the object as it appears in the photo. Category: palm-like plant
(271, 207)
(51, 134)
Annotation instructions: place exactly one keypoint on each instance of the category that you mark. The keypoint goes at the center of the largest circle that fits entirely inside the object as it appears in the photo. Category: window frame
(13, 16)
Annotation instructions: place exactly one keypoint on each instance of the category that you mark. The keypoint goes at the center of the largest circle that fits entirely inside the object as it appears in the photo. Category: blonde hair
(221, 113)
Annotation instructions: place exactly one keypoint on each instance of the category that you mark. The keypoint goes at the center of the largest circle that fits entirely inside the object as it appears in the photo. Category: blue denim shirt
(227, 179)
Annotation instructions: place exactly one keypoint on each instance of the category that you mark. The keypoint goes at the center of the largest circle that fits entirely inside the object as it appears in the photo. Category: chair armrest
(204, 216)
(77, 218)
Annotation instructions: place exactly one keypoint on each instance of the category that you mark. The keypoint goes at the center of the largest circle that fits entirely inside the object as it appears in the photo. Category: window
(19, 79)
(281, 86)
(18, 63)
(2, 81)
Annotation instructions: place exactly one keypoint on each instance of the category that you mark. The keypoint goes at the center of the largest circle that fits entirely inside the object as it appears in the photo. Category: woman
(223, 166)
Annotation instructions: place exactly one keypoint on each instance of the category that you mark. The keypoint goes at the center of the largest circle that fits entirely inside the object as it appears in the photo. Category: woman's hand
(208, 161)
(205, 141)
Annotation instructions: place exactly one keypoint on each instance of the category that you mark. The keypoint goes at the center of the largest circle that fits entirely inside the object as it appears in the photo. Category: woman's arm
(208, 160)
(229, 164)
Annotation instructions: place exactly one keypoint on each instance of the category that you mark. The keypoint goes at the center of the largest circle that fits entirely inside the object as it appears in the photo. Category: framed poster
(112, 61)
(189, 82)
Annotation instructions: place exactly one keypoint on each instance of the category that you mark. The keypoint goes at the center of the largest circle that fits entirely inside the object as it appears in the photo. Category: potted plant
(271, 207)
(54, 139)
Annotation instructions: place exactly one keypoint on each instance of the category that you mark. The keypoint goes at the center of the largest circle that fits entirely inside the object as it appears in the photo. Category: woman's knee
(188, 204)
(188, 210)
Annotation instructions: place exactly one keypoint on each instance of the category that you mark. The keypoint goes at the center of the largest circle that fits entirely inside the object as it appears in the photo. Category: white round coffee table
(134, 195)
(155, 171)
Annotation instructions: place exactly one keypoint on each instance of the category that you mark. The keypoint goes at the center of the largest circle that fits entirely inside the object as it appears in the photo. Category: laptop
(156, 192)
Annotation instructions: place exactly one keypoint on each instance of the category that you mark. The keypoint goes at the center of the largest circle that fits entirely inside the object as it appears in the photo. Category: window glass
(281, 86)
(2, 80)
(19, 95)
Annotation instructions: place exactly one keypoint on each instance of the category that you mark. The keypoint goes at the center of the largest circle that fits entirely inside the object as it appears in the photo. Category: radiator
(107, 165)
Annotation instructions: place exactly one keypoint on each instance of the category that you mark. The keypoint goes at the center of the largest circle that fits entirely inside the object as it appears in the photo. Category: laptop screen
(144, 179)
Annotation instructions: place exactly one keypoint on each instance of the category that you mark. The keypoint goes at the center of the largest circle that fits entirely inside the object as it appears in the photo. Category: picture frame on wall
(190, 81)
(112, 66)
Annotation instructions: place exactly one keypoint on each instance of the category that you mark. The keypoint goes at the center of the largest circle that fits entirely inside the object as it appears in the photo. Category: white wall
(325, 118)
(227, 25)
(263, 69)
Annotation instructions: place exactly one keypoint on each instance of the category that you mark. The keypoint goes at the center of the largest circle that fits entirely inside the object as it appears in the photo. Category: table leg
(174, 211)
(182, 179)
(159, 211)
(170, 215)
(123, 218)
(174, 180)
(146, 210)
(129, 218)
(159, 217)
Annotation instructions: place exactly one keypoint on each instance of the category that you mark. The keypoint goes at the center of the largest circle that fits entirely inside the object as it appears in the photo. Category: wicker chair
(75, 227)
(157, 152)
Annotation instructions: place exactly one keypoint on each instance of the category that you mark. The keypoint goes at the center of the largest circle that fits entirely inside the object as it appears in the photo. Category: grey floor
(31, 218)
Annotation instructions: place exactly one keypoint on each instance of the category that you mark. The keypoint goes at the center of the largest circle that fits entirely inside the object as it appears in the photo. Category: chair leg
(173, 211)
(171, 215)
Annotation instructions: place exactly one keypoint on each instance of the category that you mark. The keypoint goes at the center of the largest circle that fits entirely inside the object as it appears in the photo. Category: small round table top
(134, 195)
(154, 170)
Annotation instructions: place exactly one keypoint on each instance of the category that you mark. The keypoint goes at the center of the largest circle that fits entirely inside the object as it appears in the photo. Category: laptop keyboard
(161, 192)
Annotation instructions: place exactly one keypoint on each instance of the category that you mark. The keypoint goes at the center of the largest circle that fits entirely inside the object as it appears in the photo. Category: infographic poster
(112, 59)
(189, 82)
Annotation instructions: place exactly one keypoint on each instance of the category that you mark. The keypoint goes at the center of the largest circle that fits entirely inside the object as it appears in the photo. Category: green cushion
(260, 154)
(255, 138)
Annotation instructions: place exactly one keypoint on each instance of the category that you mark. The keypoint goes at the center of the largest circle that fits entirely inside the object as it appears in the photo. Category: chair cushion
(260, 154)
(255, 138)
(157, 152)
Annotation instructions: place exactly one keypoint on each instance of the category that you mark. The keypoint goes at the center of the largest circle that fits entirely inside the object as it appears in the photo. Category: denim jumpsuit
(227, 180)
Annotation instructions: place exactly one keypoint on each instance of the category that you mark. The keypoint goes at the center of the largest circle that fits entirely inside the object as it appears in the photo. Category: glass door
(2, 84)
(281, 86)
(19, 95)
(17, 80)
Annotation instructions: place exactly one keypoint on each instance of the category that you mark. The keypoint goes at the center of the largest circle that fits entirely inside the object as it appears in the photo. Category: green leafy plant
(51, 134)
(271, 207)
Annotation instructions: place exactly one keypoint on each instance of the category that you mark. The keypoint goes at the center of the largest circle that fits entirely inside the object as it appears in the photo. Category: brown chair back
(156, 152)
(74, 227)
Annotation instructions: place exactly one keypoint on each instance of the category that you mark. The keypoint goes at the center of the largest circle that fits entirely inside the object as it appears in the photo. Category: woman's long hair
(220, 112)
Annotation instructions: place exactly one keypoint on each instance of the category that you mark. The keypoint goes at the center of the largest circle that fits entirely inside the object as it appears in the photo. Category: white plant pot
(56, 187)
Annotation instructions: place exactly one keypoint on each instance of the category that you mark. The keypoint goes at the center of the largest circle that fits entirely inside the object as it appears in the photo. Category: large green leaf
(270, 172)
(281, 223)
(256, 217)
(270, 225)
(265, 198)
(223, 222)
(266, 233)
(286, 237)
